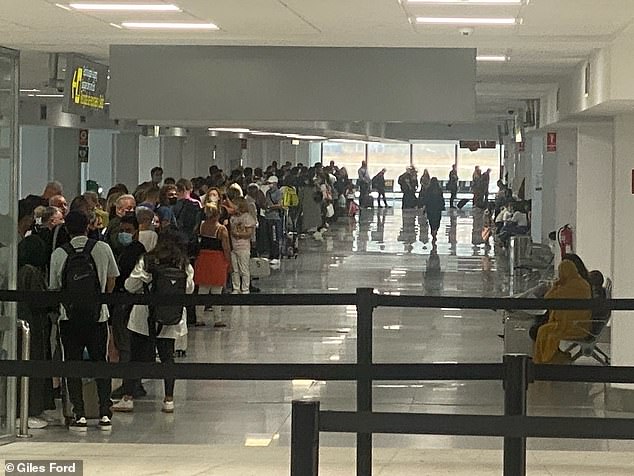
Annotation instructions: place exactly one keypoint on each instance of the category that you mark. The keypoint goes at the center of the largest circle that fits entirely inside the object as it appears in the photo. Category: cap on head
(272, 179)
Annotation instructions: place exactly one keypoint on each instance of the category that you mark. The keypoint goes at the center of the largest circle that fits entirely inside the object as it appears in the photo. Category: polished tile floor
(386, 249)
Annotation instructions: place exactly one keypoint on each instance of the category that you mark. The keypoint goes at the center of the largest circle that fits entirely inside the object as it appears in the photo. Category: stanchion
(365, 309)
(515, 387)
(23, 430)
(305, 438)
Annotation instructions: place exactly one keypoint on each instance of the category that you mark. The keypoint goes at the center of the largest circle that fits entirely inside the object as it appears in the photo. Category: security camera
(468, 31)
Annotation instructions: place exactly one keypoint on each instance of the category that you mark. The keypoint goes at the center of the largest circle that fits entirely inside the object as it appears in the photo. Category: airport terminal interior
(439, 148)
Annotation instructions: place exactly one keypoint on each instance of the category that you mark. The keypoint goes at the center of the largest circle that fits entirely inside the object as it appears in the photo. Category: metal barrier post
(365, 309)
(23, 431)
(305, 438)
(515, 387)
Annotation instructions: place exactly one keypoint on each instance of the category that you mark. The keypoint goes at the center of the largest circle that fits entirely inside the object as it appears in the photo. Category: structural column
(125, 159)
(593, 233)
(64, 164)
(623, 227)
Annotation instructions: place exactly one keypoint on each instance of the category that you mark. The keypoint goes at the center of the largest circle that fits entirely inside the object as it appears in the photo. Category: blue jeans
(274, 237)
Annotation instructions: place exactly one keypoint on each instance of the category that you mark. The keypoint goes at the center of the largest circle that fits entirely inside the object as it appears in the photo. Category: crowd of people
(163, 236)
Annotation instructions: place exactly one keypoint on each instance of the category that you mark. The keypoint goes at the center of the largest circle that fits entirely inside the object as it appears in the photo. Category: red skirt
(211, 268)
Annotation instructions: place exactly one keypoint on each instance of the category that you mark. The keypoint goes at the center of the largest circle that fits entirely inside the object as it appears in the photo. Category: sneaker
(168, 406)
(34, 423)
(220, 324)
(105, 423)
(78, 424)
(124, 405)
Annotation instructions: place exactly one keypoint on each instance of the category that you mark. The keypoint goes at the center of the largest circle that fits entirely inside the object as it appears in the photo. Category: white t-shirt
(104, 260)
(148, 238)
(519, 218)
(239, 223)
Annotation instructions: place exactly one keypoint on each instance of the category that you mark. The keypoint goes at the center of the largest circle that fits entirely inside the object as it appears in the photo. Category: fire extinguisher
(565, 240)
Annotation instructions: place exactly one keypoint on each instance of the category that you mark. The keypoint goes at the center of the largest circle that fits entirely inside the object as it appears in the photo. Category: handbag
(259, 267)
(486, 233)
(330, 211)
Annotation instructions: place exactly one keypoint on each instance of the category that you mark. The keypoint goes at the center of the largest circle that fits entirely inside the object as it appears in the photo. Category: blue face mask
(125, 238)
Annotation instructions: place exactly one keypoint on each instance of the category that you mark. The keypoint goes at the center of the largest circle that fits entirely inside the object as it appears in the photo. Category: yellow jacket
(563, 324)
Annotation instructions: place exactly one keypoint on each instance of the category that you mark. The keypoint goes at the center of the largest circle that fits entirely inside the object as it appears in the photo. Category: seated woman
(563, 324)
(516, 224)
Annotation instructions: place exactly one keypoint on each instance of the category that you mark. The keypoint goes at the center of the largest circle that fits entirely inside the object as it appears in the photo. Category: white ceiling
(554, 36)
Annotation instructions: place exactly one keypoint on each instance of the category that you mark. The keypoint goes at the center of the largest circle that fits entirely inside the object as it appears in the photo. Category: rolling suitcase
(180, 346)
(91, 401)
(462, 203)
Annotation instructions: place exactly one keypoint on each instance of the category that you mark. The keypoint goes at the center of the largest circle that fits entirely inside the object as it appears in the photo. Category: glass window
(436, 157)
(485, 158)
(345, 154)
(393, 157)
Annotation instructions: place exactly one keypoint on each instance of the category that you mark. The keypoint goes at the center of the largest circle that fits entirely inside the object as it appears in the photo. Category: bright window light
(125, 7)
(466, 21)
(472, 2)
(169, 26)
(492, 58)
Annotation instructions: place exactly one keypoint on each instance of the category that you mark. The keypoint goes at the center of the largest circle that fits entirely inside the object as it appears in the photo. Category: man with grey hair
(51, 189)
(58, 201)
(125, 204)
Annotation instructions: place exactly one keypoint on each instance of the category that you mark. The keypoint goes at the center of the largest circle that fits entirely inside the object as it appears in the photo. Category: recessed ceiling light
(29, 90)
(125, 7)
(472, 2)
(170, 26)
(492, 58)
(467, 21)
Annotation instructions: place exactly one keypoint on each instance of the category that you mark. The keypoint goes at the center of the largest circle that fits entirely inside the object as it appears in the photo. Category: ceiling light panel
(168, 26)
(125, 7)
(468, 21)
(467, 2)
(492, 58)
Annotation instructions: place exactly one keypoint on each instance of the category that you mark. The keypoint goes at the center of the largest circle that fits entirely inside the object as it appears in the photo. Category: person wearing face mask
(167, 199)
(124, 204)
(132, 250)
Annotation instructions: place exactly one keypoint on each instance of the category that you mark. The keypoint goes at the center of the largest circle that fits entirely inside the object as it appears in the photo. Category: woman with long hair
(168, 253)
(214, 259)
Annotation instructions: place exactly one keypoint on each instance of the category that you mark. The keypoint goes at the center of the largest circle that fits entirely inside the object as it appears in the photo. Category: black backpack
(166, 281)
(80, 275)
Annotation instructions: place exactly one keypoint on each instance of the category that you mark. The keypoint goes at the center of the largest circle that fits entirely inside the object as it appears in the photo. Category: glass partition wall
(435, 156)
(9, 89)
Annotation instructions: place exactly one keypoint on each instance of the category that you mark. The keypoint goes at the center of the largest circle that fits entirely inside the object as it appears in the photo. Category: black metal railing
(516, 372)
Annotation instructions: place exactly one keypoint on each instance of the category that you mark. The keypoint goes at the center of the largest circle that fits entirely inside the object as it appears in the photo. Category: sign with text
(86, 85)
(551, 142)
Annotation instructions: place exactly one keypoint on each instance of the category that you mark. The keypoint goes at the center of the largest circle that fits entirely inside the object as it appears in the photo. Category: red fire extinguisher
(565, 240)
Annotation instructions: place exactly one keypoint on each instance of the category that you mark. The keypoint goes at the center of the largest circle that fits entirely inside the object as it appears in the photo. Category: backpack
(290, 199)
(80, 275)
(166, 280)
